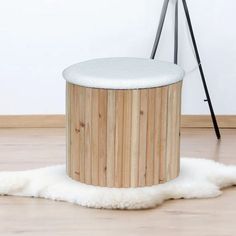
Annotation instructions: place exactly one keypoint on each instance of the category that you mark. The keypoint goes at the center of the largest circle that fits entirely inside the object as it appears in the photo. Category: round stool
(123, 121)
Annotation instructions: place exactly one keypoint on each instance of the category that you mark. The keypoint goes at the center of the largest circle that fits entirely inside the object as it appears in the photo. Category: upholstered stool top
(123, 73)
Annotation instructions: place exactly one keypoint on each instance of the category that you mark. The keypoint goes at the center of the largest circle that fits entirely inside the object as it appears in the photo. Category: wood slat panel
(135, 137)
(33, 121)
(173, 127)
(157, 135)
(111, 124)
(178, 125)
(143, 136)
(150, 137)
(127, 138)
(102, 133)
(123, 138)
(163, 118)
(81, 124)
(119, 137)
(88, 135)
(95, 137)
(75, 133)
(170, 128)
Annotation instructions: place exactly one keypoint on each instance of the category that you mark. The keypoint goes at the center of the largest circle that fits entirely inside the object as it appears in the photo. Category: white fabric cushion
(123, 73)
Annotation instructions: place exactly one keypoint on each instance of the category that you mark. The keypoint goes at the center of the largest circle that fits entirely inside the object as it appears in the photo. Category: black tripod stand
(157, 39)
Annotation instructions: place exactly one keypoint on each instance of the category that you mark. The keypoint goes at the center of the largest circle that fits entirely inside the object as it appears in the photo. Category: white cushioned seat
(123, 73)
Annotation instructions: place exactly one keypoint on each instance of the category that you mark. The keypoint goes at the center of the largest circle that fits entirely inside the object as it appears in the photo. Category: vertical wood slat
(123, 138)
(95, 137)
(111, 117)
(135, 137)
(143, 137)
(178, 124)
(75, 133)
(88, 136)
(157, 135)
(179, 114)
(81, 126)
(163, 134)
(127, 138)
(174, 129)
(150, 137)
(102, 139)
(169, 138)
(119, 106)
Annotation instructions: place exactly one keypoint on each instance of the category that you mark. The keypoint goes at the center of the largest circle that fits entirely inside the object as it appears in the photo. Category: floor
(32, 148)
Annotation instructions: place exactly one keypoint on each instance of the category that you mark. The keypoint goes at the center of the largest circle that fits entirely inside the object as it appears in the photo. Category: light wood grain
(157, 134)
(102, 137)
(74, 131)
(178, 125)
(150, 138)
(28, 148)
(133, 139)
(81, 121)
(163, 135)
(95, 137)
(59, 121)
(88, 136)
(142, 137)
(111, 126)
(119, 138)
(170, 133)
(205, 121)
(127, 138)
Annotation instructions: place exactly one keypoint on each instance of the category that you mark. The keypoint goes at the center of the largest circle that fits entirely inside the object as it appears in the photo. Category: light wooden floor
(31, 148)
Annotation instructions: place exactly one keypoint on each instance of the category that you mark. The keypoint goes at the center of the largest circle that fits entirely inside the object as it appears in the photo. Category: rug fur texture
(199, 178)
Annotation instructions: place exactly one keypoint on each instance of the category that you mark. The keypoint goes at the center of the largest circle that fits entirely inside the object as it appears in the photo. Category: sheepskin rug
(199, 178)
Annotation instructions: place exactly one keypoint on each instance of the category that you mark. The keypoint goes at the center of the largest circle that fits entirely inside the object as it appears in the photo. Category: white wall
(39, 38)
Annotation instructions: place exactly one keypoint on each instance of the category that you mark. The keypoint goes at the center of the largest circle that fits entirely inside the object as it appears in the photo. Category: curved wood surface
(123, 138)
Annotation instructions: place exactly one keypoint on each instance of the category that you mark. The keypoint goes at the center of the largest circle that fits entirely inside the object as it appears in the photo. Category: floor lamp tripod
(156, 43)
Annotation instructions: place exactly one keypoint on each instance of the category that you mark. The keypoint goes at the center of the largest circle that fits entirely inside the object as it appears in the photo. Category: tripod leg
(160, 26)
(176, 33)
(208, 99)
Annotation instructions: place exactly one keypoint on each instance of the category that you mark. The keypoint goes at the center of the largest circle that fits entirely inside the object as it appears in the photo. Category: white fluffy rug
(199, 178)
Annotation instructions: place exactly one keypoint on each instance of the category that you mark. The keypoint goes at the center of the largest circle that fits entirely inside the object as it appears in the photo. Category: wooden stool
(123, 121)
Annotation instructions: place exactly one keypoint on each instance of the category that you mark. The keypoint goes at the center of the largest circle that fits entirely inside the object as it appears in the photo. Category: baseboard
(32, 121)
(58, 121)
(204, 121)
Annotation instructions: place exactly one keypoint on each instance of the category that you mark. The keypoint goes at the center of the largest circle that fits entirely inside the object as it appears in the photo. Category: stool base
(123, 138)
